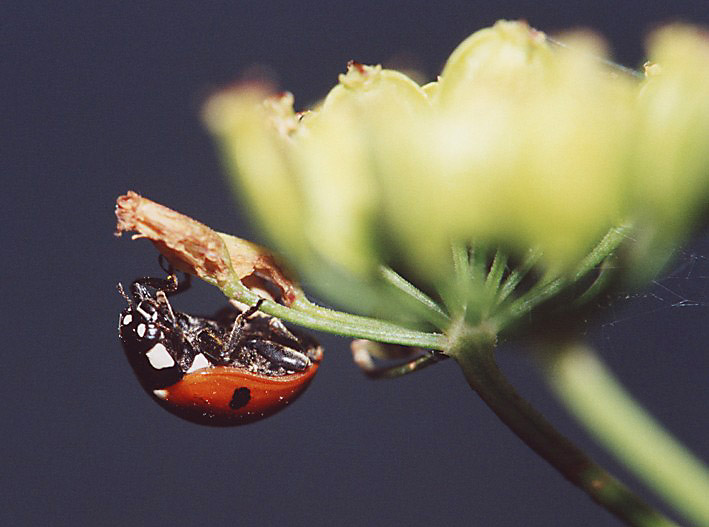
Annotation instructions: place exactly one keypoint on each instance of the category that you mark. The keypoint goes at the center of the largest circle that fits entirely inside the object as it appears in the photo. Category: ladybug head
(142, 328)
(140, 323)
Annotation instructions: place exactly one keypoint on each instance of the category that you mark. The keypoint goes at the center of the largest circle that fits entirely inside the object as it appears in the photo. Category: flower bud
(670, 166)
(518, 144)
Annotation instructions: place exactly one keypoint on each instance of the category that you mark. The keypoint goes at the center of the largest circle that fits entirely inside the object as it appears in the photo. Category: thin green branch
(456, 297)
(497, 270)
(305, 313)
(461, 261)
(535, 296)
(517, 275)
(597, 399)
(478, 265)
(550, 287)
(598, 285)
(433, 312)
(607, 246)
(474, 353)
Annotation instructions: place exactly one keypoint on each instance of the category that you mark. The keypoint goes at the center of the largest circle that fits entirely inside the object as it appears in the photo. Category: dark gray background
(102, 97)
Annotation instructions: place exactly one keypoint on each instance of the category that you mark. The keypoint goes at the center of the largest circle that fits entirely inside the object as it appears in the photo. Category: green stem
(433, 312)
(456, 298)
(478, 264)
(607, 246)
(517, 275)
(595, 397)
(497, 270)
(549, 287)
(474, 352)
(305, 313)
(599, 284)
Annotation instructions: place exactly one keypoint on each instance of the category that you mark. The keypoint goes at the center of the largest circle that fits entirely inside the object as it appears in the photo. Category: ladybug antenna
(123, 293)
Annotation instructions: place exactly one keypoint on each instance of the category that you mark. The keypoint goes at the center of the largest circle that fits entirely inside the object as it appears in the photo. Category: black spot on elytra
(241, 398)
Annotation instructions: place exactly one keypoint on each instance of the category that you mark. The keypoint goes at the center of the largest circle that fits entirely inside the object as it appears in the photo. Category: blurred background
(102, 97)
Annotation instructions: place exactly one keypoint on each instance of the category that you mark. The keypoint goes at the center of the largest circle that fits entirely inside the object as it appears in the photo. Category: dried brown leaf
(194, 248)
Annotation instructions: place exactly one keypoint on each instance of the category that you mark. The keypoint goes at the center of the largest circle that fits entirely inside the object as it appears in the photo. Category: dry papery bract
(194, 248)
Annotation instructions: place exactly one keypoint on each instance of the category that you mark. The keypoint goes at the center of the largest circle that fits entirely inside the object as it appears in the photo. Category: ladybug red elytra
(230, 369)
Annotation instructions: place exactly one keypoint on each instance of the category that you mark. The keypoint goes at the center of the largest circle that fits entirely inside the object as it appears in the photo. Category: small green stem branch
(305, 313)
(594, 396)
(473, 350)
(547, 288)
(431, 310)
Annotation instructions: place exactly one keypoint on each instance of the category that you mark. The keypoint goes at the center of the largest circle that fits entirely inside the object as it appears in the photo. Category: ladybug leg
(279, 355)
(163, 286)
(181, 285)
(237, 331)
(139, 287)
(363, 352)
(277, 327)
(213, 346)
(243, 317)
(162, 301)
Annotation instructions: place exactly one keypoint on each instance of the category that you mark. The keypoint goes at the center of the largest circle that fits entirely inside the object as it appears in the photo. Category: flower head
(519, 145)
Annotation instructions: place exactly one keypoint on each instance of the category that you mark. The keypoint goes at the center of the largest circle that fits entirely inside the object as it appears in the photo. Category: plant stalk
(475, 354)
(595, 397)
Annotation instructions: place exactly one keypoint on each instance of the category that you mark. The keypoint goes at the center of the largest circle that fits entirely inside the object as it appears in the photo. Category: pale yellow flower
(519, 144)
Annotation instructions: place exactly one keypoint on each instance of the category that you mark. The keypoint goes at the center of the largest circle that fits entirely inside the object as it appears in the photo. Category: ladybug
(230, 369)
